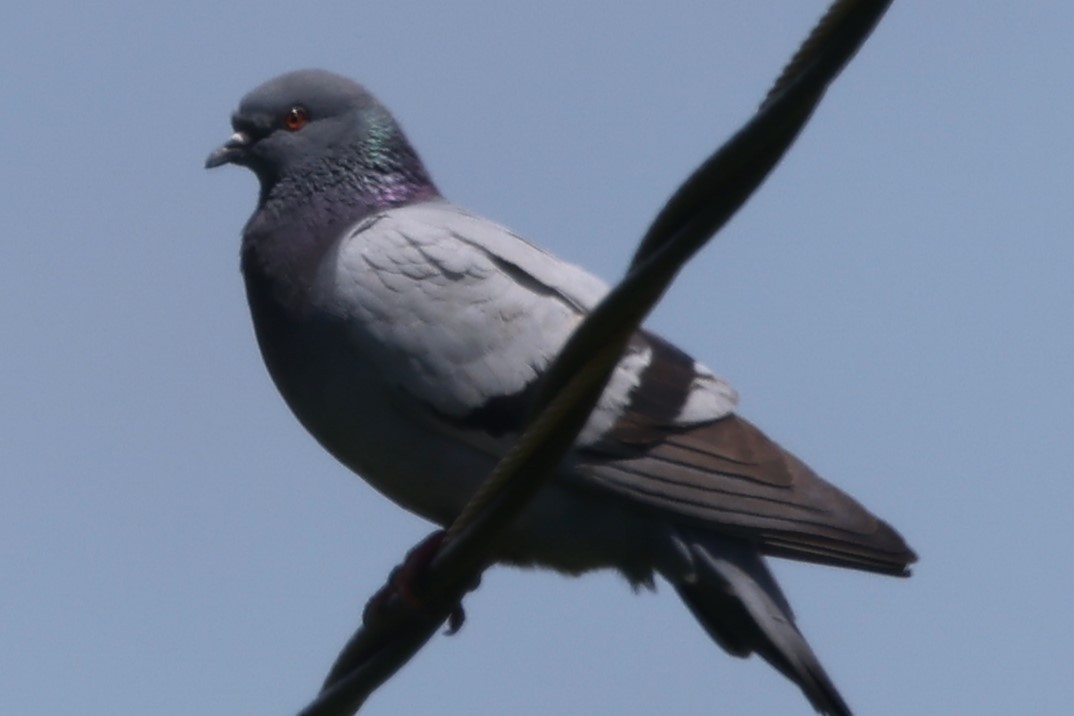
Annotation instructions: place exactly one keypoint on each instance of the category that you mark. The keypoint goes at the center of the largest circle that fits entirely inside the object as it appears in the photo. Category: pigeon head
(315, 132)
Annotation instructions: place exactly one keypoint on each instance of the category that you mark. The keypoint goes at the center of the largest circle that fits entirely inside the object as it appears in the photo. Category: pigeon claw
(455, 620)
(405, 582)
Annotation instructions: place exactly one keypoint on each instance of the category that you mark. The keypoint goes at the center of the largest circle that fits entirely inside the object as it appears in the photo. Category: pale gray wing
(464, 317)
(459, 313)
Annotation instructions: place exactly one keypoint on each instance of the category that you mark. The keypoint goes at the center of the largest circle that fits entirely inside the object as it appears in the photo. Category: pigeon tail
(736, 599)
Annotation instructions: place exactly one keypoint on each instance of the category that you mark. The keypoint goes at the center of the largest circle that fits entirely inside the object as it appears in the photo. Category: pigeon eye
(296, 118)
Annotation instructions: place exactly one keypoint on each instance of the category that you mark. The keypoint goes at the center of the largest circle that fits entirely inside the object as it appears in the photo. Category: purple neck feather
(300, 215)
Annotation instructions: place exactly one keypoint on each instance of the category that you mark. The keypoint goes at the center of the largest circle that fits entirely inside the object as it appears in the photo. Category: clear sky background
(894, 305)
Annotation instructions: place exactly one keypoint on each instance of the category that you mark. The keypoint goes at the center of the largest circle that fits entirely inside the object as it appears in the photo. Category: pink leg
(405, 581)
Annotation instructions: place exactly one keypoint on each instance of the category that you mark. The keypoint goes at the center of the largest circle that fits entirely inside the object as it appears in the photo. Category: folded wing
(464, 317)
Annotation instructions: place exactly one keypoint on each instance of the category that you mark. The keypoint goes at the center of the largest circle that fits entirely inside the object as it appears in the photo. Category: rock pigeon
(409, 335)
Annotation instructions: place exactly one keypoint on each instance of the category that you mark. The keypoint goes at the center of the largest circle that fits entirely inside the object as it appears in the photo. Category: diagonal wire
(575, 381)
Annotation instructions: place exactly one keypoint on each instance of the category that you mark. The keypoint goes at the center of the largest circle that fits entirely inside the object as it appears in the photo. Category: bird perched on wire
(409, 335)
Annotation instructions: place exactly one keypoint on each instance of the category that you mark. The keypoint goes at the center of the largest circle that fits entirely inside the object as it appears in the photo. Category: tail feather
(731, 592)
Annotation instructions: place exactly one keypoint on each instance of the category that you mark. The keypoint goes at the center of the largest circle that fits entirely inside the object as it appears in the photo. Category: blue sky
(895, 306)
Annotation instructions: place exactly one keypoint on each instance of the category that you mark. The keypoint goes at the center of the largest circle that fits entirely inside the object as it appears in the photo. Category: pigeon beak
(229, 151)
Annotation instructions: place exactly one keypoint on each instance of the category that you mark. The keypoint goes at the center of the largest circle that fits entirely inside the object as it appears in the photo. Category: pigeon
(409, 337)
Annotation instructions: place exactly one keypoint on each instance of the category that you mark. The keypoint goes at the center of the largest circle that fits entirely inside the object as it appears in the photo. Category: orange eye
(296, 118)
